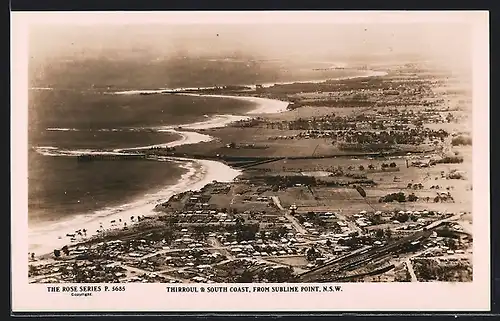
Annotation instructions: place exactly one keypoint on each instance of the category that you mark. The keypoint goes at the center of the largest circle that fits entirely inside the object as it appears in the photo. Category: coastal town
(360, 180)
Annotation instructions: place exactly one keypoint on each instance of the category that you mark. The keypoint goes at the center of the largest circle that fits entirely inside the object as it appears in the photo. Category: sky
(448, 42)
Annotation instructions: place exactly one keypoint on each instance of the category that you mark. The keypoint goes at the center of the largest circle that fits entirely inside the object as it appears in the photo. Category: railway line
(351, 262)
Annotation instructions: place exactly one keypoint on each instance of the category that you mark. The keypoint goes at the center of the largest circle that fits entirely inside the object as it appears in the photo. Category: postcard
(250, 161)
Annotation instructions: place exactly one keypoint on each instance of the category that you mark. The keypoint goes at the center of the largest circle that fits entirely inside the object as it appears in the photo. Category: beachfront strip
(361, 180)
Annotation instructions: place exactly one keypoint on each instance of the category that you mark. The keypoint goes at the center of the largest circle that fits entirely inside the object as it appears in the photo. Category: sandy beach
(264, 105)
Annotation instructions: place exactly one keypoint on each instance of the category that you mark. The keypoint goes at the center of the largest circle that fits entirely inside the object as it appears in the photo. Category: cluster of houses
(95, 271)
(408, 136)
(197, 258)
(232, 271)
(210, 217)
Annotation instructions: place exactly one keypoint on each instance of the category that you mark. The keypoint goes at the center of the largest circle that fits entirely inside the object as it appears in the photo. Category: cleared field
(295, 261)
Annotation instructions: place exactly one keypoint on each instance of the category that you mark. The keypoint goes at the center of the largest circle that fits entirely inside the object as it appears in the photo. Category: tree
(32, 270)
(379, 233)
(32, 255)
(282, 230)
(239, 221)
(311, 254)
(392, 165)
(450, 243)
(65, 250)
(57, 253)
(247, 232)
(361, 168)
(402, 217)
(328, 243)
(370, 166)
(412, 198)
(245, 277)
(376, 219)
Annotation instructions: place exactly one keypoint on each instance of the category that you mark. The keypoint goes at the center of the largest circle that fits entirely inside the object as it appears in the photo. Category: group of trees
(450, 160)
(289, 181)
(246, 232)
(461, 140)
(356, 240)
(455, 174)
(429, 270)
(64, 250)
(405, 136)
(312, 254)
(381, 233)
(398, 197)
(415, 186)
(311, 217)
(391, 165)
(443, 198)
(276, 275)
(383, 166)
(404, 217)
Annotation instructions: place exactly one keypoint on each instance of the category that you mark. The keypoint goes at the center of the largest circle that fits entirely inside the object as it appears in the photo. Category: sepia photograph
(250, 153)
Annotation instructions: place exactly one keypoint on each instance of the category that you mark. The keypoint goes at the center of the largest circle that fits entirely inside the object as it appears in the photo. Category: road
(289, 217)
(409, 266)
(352, 226)
(439, 222)
(134, 270)
(44, 276)
(218, 246)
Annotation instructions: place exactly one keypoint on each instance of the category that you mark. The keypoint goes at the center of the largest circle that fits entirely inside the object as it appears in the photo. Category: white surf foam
(63, 129)
(186, 138)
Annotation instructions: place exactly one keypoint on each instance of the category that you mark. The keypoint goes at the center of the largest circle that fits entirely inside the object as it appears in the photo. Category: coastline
(200, 172)
(182, 90)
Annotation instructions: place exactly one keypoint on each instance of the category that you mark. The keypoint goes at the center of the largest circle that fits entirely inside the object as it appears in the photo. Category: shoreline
(192, 180)
(181, 90)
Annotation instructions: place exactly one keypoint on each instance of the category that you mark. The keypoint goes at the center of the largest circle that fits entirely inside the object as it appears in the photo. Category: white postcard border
(354, 296)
